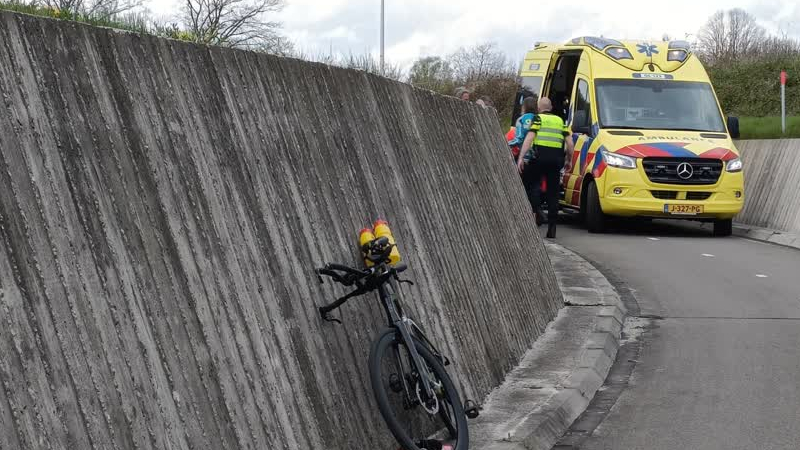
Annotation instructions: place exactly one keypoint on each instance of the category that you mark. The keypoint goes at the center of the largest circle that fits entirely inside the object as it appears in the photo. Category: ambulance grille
(665, 170)
(698, 195)
(665, 195)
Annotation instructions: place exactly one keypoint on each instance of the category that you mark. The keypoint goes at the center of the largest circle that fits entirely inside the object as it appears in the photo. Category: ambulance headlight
(735, 165)
(620, 161)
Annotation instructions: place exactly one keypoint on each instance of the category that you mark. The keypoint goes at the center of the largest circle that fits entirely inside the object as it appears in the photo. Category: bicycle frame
(384, 280)
(423, 381)
(400, 322)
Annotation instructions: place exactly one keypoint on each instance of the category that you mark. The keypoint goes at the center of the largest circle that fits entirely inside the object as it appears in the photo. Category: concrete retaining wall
(162, 206)
(772, 184)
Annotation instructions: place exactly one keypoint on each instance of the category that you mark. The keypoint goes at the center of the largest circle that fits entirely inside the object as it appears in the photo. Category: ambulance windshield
(658, 105)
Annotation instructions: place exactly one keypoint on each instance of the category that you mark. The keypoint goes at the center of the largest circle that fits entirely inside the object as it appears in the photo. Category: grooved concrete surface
(772, 184)
(162, 206)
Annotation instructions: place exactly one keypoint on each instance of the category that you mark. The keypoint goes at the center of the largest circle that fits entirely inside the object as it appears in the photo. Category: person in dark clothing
(552, 151)
(523, 126)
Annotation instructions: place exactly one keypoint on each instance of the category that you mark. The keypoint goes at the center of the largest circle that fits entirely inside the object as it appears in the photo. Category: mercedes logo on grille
(685, 171)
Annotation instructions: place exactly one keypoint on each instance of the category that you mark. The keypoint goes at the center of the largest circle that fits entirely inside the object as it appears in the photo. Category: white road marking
(708, 255)
(654, 239)
(761, 275)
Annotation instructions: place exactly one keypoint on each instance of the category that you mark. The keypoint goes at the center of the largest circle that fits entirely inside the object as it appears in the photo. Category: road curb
(601, 349)
(777, 237)
(782, 238)
(537, 422)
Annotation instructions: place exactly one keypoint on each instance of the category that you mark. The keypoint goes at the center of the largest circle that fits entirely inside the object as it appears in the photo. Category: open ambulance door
(560, 82)
(533, 73)
(582, 114)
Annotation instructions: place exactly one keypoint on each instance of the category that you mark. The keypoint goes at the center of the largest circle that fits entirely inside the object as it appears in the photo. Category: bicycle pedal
(471, 410)
(395, 384)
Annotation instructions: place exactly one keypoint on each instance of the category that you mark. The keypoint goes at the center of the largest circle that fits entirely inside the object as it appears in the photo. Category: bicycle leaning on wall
(415, 395)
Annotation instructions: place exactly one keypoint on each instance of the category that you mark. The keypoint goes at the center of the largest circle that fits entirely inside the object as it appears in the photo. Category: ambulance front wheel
(596, 220)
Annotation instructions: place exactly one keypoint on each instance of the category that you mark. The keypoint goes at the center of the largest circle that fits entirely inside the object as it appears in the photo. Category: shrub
(752, 87)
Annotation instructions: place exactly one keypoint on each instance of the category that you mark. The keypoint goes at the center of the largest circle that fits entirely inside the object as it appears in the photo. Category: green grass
(505, 122)
(768, 127)
(43, 11)
(135, 22)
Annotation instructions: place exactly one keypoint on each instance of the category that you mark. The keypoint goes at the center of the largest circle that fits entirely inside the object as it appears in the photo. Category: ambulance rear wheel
(723, 228)
(596, 220)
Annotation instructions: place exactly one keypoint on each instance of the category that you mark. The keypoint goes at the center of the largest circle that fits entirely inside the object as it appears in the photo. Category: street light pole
(382, 21)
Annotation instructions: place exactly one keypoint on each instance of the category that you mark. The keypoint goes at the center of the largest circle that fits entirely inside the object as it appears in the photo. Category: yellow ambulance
(650, 138)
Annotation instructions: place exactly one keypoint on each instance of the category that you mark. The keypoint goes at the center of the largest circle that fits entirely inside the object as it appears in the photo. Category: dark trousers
(548, 164)
(530, 182)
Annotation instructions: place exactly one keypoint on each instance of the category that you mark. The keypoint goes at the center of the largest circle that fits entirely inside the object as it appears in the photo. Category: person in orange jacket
(512, 131)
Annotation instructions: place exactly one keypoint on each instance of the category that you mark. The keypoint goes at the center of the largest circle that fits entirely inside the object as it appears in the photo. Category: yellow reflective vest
(550, 130)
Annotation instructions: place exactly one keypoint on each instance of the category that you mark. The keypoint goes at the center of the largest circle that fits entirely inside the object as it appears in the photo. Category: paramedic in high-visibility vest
(552, 150)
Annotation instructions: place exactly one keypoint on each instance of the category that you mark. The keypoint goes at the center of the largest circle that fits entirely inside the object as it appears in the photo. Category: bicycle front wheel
(417, 422)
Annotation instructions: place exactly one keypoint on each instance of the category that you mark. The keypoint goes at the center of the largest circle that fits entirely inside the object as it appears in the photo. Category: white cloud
(437, 27)
(309, 12)
(340, 32)
(163, 7)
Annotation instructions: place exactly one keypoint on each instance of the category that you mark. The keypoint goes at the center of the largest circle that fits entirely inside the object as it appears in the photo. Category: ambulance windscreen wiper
(624, 127)
(687, 129)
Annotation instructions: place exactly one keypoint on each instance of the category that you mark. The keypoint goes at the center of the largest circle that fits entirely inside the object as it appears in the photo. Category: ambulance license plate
(683, 210)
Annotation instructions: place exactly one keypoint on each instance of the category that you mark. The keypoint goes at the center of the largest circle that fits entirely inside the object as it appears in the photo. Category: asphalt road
(721, 368)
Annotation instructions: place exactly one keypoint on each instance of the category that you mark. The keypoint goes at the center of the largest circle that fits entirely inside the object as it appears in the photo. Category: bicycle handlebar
(347, 278)
(343, 268)
(400, 268)
(354, 276)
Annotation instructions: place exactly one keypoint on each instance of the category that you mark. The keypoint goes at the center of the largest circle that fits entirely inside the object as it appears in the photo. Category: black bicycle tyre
(379, 347)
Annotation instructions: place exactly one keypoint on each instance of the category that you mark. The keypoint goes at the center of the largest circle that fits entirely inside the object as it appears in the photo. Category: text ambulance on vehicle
(650, 139)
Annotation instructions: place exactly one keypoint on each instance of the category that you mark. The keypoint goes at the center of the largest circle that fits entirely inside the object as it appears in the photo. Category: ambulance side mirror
(580, 123)
(733, 127)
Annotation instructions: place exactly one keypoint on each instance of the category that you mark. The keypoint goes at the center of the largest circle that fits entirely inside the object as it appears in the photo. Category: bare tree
(432, 73)
(488, 72)
(235, 23)
(481, 62)
(779, 46)
(730, 35)
(745, 35)
(712, 38)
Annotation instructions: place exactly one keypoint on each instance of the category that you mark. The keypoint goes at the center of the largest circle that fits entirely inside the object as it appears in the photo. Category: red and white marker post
(783, 101)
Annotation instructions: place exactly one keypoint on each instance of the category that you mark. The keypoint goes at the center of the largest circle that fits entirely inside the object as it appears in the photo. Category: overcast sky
(417, 28)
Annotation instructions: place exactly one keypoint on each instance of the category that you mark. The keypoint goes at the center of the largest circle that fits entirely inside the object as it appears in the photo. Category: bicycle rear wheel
(411, 420)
